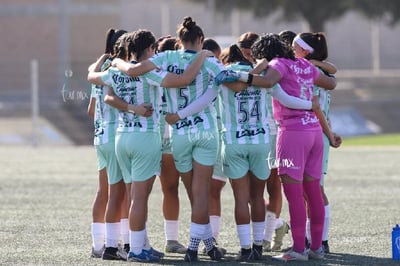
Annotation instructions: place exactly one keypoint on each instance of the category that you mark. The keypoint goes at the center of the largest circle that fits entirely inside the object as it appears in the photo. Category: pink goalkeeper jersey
(297, 80)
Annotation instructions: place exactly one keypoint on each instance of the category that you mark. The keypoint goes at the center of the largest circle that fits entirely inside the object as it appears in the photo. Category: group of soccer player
(180, 108)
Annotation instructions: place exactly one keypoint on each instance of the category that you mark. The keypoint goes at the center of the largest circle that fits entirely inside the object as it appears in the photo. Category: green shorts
(166, 139)
(166, 145)
(272, 162)
(106, 158)
(218, 173)
(139, 155)
(201, 147)
(238, 159)
(325, 159)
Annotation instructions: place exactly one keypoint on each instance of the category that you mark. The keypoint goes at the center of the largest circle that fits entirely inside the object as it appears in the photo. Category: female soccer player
(109, 204)
(299, 141)
(141, 163)
(313, 46)
(195, 138)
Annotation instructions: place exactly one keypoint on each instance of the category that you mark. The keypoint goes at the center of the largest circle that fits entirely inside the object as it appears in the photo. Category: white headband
(303, 44)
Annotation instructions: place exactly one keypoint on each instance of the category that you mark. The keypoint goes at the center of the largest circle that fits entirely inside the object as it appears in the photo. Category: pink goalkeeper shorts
(300, 153)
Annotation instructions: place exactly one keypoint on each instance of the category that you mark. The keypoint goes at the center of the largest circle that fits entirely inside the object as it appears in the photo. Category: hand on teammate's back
(172, 118)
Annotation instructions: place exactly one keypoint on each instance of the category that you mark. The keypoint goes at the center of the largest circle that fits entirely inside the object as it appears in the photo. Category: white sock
(207, 231)
(197, 230)
(171, 229)
(196, 235)
(113, 231)
(308, 230)
(279, 223)
(215, 222)
(243, 231)
(270, 225)
(136, 239)
(125, 230)
(98, 235)
(258, 232)
(326, 223)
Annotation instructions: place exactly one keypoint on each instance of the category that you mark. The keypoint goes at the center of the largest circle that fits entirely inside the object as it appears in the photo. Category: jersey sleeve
(107, 77)
(159, 59)
(278, 66)
(93, 91)
(289, 101)
(155, 77)
(213, 66)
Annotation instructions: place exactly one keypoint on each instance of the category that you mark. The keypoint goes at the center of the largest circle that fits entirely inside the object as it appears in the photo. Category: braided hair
(270, 46)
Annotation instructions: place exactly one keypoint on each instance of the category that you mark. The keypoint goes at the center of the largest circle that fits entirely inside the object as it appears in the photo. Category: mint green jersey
(105, 116)
(137, 90)
(178, 98)
(244, 114)
(324, 97)
(272, 125)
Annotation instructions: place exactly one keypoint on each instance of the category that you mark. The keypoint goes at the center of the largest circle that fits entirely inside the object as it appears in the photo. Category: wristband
(250, 79)
(244, 76)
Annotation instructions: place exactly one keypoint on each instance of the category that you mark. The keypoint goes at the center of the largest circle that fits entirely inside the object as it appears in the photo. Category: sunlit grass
(384, 139)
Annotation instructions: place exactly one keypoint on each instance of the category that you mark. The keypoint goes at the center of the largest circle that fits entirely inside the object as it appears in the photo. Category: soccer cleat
(318, 254)
(97, 254)
(216, 253)
(245, 254)
(144, 256)
(215, 244)
(226, 76)
(111, 253)
(173, 246)
(266, 245)
(126, 248)
(191, 255)
(156, 253)
(325, 245)
(257, 252)
(292, 255)
(279, 234)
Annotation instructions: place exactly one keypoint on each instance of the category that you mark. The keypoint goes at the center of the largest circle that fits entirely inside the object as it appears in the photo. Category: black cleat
(191, 255)
(111, 253)
(216, 253)
(257, 252)
(245, 254)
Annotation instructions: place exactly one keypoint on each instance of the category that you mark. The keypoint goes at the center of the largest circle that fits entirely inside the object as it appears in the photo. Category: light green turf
(374, 140)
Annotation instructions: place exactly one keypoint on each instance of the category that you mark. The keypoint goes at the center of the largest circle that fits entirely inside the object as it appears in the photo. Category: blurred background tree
(386, 11)
(315, 13)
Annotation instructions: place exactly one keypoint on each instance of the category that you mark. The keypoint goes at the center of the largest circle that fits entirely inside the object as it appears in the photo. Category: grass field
(46, 196)
(373, 140)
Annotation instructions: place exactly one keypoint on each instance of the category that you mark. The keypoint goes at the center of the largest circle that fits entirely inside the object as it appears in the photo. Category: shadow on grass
(330, 259)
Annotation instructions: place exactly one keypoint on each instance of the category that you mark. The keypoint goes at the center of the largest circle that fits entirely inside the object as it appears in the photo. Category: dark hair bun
(188, 23)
